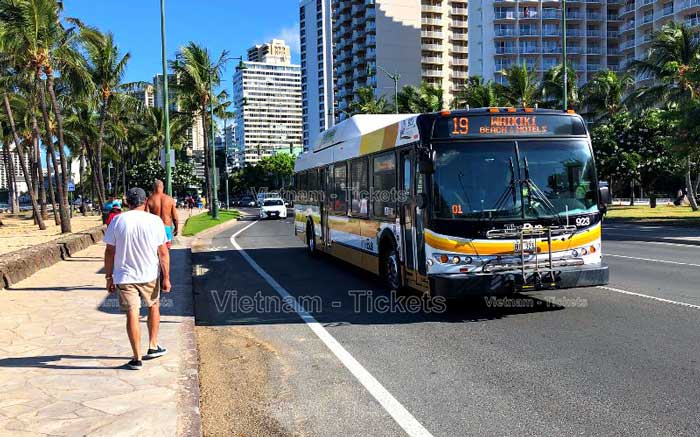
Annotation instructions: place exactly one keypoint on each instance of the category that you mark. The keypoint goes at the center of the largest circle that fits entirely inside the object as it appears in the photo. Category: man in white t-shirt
(135, 254)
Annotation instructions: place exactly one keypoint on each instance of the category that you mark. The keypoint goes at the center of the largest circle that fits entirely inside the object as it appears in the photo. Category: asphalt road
(578, 361)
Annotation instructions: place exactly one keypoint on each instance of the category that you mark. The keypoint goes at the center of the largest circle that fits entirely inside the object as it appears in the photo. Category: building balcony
(625, 45)
(431, 34)
(551, 14)
(594, 16)
(505, 50)
(505, 32)
(690, 3)
(629, 25)
(459, 49)
(458, 36)
(503, 66)
(431, 60)
(371, 13)
(551, 49)
(433, 47)
(431, 8)
(432, 21)
(458, 11)
(459, 24)
(614, 17)
(647, 19)
(613, 33)
(594, 50)
(614, 67)
(644, 39)
(530, 32)
(529, 50)
(459, 61)
(357, 9)
(510, 15)
(574, 50)
(614, 51)
(459, 75)
(431, 73)
(627, 9)
(594, 33)
(357, 21)
(551, 33)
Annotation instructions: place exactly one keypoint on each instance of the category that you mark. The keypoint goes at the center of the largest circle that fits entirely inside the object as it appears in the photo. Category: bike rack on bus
(530, 234)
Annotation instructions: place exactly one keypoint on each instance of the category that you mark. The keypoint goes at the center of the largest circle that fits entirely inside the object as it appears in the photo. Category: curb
(21, 264)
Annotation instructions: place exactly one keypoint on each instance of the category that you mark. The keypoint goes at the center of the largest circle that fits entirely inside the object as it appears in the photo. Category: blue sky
(232, 25)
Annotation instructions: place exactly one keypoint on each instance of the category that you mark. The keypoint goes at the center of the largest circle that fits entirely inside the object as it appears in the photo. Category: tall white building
(5, 170)
(316, 68)
(421, 40)
(267, 96)
(505, 33)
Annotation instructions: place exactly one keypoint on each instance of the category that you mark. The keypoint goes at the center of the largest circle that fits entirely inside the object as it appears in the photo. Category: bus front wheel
(390, 270)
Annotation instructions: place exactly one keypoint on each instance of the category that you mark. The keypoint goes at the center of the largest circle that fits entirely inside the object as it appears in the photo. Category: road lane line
(651, 259)
(660, 299)
(392, 406)
(668, 243)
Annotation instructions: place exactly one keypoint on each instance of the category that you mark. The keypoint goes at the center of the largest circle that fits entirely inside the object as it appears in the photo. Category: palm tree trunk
(52, 193)
(691, 189)
(98, 151)
(82, 183)
(40, 186)
(23, 163)
(65, 172)
(11, 178)
(48, 142)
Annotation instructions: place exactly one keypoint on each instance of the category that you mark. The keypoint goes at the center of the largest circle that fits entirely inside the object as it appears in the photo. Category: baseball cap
(135, 196)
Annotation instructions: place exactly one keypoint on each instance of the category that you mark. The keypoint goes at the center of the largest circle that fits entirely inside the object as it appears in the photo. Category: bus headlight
(456, 260)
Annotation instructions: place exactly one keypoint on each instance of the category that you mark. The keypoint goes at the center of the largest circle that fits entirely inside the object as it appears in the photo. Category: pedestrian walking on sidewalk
(135, 254)
(163, 206)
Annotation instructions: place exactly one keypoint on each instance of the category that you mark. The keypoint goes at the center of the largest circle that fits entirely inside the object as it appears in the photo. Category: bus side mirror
(604, 196)
(425, 162)
(421, 200)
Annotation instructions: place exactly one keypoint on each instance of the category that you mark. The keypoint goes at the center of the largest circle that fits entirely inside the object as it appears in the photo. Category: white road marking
(651, 260)
(668, 243)
(660, 299)
(392, 406)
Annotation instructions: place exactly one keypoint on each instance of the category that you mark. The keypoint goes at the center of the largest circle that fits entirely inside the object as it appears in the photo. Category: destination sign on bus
(531, 124)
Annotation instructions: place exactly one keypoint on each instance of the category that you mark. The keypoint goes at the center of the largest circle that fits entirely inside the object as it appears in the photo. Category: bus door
(407, 214)
(326, 186)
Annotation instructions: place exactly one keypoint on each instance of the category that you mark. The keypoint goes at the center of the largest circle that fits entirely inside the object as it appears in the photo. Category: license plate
(529, 246)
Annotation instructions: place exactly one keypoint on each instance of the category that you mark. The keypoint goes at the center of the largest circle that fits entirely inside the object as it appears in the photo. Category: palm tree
(197, 73)
(521, 88)
(33, 34)
(604, 95)
(367, 103)
(476, 93)
(413, 100)
(552, 87)
(106, 66)
(673, 63)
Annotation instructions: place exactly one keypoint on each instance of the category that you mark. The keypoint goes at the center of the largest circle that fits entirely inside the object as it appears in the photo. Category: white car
(273, 208)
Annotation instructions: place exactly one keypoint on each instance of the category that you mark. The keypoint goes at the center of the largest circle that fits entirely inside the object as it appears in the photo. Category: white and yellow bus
(477, 201)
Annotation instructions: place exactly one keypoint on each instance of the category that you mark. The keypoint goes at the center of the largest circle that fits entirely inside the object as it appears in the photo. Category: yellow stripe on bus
(487, 247)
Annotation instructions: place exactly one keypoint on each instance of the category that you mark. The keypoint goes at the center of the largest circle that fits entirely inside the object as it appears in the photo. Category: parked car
(273, 208)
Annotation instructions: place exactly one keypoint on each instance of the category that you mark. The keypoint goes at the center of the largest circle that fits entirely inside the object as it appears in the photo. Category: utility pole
(214, 186)
(166, 104)
(226, 160)
(566, 79)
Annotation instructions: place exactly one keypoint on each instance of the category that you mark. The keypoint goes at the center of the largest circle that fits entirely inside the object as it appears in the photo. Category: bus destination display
(507, 125)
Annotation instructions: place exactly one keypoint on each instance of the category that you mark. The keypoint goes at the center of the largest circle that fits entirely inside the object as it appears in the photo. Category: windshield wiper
(532, 188)
(510, 190)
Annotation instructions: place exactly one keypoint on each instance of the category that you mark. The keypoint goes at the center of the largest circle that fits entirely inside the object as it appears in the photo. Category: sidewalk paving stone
(63, 347)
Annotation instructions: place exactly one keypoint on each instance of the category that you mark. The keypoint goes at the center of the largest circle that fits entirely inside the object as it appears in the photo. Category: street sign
(172, 158)
(71, 187)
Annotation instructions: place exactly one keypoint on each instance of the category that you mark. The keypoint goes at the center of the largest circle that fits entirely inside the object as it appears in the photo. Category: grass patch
(662, 213)
(200, 222)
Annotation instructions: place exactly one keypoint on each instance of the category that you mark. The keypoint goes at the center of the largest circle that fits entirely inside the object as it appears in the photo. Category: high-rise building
(420, 40)
(146, 95)
(273, 52)
(5, 170)
(641, 18)
(267, 97)
(316, 68)
(505, 33)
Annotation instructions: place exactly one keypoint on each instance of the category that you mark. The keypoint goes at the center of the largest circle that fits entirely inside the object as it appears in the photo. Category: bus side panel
(346, 239)
(369, 230)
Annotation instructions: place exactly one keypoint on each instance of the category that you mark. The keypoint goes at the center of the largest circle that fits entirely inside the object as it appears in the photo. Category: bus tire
(311, 239)
(390, 266)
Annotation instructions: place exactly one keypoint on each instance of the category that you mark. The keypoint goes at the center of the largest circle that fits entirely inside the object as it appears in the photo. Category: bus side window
(384, 185)
(358, 187)
(339, 203)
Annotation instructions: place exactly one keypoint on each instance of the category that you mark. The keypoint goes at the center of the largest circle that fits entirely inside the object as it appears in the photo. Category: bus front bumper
(462, 285)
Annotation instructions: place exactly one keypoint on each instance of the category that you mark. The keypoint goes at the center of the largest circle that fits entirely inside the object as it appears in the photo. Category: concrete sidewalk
(63, 345)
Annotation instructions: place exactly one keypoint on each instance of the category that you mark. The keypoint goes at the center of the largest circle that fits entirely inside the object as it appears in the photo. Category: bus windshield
(487, 180)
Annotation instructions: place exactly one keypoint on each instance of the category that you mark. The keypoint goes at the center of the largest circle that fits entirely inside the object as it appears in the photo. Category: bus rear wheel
(310, 240)
(390, 270)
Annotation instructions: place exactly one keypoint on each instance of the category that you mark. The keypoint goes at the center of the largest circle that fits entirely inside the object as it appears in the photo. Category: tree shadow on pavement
(45, 362)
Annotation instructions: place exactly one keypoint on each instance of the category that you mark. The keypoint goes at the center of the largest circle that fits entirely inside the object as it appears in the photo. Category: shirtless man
(163, 206)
